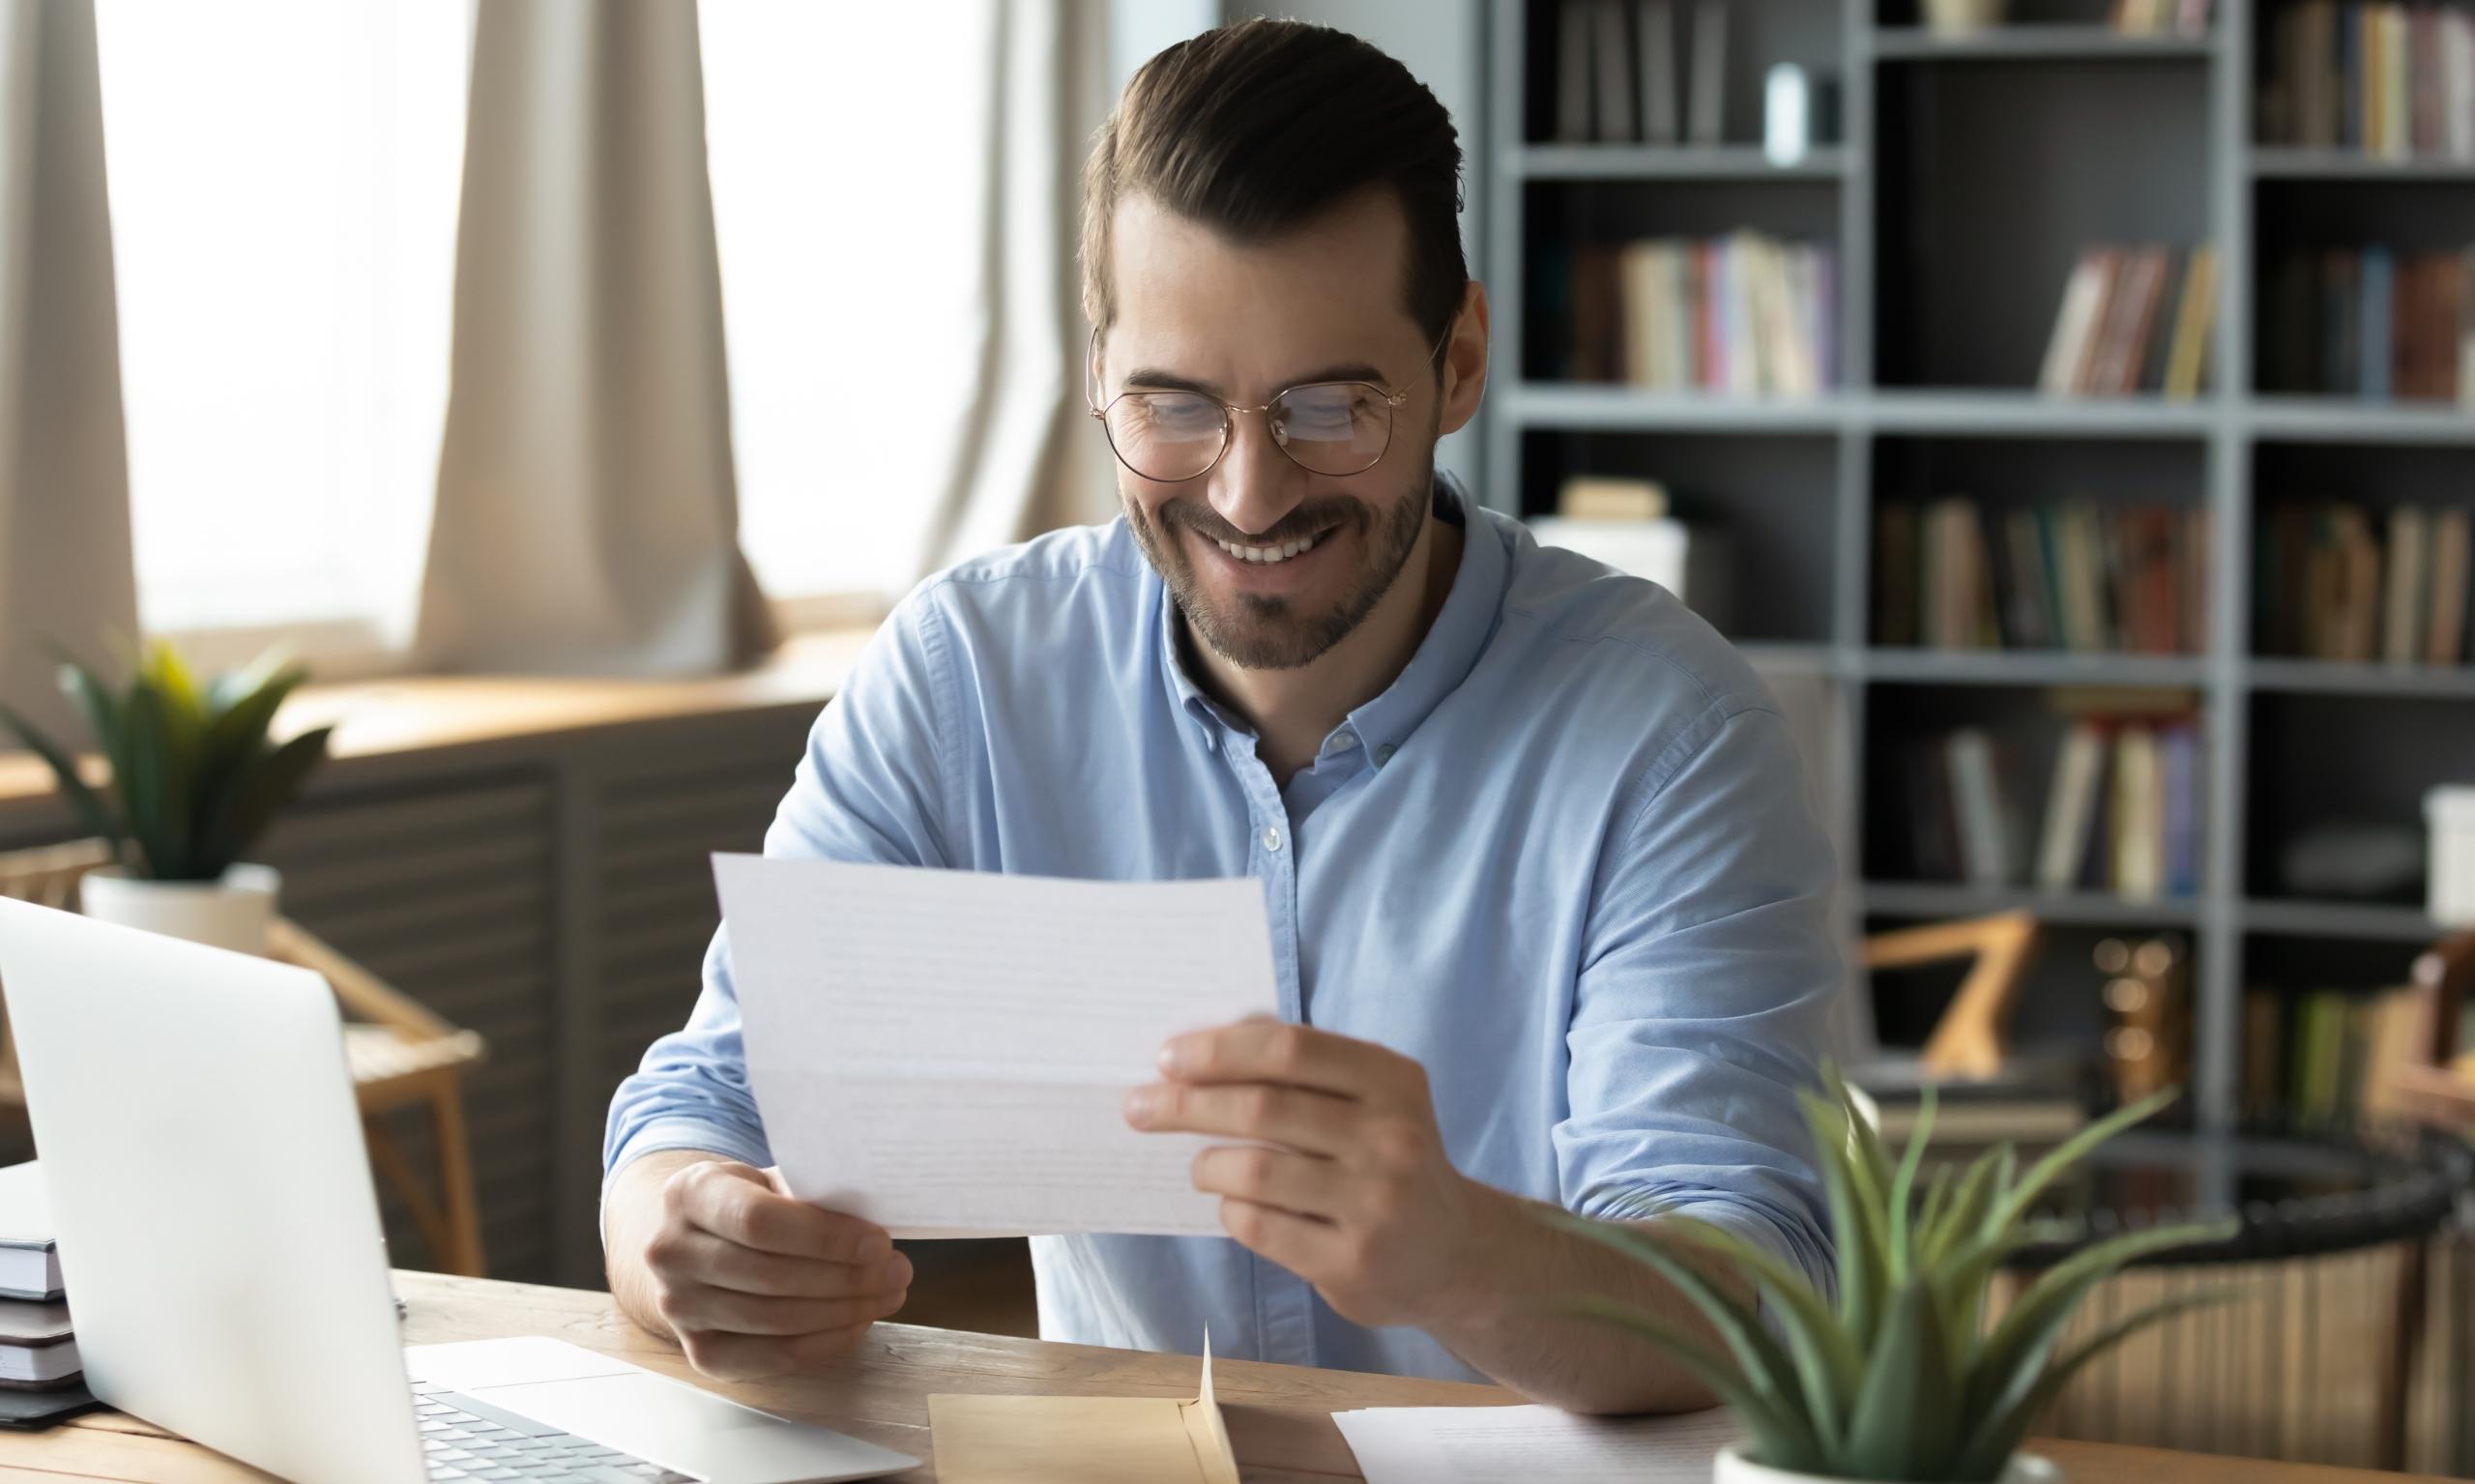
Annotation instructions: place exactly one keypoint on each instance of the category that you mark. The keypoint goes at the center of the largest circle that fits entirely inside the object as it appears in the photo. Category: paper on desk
(1083, 1439)
(1488, 1445)
(947, 1053)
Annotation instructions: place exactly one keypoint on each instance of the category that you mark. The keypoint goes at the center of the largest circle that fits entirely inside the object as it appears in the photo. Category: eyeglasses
(1326, 427)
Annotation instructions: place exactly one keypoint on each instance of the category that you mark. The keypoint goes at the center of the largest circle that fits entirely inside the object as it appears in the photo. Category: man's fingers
(1305, 1184)
(749, 1212)
(1318, 1122)
(721, 1310)
(705, 1258)
(1264, 1050)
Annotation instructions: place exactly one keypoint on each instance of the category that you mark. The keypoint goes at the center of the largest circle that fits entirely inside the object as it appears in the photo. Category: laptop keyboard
(463, 1438)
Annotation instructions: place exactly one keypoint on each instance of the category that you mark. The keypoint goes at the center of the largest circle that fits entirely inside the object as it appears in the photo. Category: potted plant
(1899, 1379)
(194, 782)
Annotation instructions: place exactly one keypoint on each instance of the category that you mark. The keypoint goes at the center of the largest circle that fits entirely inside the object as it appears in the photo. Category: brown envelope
(1083, 1439)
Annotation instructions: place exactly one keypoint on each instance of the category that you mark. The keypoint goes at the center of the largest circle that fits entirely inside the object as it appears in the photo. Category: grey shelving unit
(1970, 175)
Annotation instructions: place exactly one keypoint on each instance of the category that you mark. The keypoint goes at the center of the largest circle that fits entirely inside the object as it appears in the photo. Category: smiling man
(1548, 911)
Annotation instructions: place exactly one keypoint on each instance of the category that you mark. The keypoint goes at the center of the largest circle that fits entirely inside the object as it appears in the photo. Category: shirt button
(1384, 754)
(1271, 838)
(1343, 741)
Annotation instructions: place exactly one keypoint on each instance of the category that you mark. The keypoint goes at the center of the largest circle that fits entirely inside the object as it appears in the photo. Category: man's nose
(1255, 484)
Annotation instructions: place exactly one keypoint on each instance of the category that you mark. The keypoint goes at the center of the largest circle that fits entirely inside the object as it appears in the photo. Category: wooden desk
(1279, 1416)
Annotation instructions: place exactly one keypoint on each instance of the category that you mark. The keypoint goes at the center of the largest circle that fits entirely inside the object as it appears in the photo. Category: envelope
(1083, 1439)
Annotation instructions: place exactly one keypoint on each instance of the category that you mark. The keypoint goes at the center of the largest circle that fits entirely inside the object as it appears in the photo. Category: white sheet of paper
(1490, 1444)
(947, 1053)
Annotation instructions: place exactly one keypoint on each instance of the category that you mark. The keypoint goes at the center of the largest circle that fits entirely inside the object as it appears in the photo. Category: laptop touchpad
(694, 1432)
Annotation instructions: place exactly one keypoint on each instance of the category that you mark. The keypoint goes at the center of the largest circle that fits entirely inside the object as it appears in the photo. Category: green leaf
(1861, 1284)
(146, 785)
(1782, 1437)
(237, 742)
(252, 800)
(2015, 1202)
(1904, 1425)
(2020, 1342)
(87, 688)
(232, 686)
(1829, 1365)
(1998, 1433)
(1904, 1190)
(93, 815)
(1959, 1218)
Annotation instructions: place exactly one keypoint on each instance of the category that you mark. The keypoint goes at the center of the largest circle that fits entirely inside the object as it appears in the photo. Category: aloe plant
(1900, 1378)
(194, 778)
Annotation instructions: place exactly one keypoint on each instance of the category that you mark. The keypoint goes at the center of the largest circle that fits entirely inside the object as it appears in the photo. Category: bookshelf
(1968, 175)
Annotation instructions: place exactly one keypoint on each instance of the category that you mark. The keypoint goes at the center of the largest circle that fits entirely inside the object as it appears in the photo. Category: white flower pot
(233, 913)
(1734, 1467)
(1960, 17)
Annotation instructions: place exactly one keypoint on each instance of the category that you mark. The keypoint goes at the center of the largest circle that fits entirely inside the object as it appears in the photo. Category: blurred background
(2068, 404)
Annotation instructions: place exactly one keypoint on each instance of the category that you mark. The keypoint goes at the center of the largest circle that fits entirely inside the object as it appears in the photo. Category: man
(1548, 911)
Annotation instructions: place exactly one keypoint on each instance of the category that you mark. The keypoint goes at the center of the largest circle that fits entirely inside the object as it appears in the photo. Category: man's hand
(1356, 1194)
(752, 1282)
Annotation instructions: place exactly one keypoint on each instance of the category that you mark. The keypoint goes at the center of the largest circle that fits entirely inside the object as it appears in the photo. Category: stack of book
(2387, 80)
(2122, 813)
(2374, 323)
(2338, 581)
(1957, 573)
(2133, 320)
(37, 1352)
(2319, 1056)
(2160, 18)
(1746, 314)
(1620, 66)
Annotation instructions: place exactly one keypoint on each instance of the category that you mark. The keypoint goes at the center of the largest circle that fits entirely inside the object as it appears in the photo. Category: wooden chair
(1967, 1040)
(400, 1055)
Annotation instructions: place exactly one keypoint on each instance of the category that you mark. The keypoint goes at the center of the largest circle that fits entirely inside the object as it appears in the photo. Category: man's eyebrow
(1153, 379)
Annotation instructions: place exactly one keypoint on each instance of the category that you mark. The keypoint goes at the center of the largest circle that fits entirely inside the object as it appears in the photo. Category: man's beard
(1258, 631)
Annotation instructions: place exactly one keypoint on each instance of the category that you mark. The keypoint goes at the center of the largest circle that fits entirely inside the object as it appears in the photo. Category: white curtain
(587, 520)
(1030, 460)
(66, 573)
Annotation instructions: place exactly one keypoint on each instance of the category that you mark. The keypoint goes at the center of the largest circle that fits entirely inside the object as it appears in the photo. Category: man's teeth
(1281, 553)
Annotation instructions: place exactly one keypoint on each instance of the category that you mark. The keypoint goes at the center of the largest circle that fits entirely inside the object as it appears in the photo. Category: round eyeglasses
(1328, 427)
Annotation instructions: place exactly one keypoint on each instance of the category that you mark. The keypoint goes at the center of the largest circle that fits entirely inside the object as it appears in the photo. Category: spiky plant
(194, 779)
(1900, 1378)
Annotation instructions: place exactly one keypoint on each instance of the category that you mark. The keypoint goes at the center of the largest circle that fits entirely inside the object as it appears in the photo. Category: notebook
(29, 1262)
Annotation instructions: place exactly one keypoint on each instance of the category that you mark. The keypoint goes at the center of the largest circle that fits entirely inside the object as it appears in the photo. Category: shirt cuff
(1745, 1221)
(675, 1133)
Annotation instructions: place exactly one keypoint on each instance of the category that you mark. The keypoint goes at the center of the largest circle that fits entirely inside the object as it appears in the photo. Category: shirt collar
(1445, 657)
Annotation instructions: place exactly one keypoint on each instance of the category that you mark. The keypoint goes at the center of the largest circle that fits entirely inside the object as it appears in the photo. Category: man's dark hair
(1257, 127)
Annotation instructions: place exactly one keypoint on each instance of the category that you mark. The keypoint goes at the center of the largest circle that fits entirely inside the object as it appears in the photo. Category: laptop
(220, 1242)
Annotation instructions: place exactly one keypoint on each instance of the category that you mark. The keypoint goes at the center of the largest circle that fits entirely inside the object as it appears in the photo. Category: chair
(400, 1055)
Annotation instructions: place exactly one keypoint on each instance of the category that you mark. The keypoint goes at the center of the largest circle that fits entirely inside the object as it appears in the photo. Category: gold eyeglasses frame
(1391, 400)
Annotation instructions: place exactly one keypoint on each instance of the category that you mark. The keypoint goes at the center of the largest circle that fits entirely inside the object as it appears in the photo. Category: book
(1602, 497)
(1984, 829)
(2071, 808)
(37, 1347)
(2195, 319)
(2452, 531)
(1611, 86)
(2137, 814)
(2073, 323)
(2404, 626)
(1655, 33)
(29, 1254)
(1708, 122)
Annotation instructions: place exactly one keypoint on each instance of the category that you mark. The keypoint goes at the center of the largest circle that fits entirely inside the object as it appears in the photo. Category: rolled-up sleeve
(866, 789)
(1700, 1006)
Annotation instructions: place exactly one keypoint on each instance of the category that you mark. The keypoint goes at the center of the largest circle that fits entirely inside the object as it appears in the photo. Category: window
(846, 147)
(283, 182)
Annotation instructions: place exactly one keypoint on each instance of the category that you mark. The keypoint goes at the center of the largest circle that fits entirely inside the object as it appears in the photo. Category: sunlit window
(848, 150)
(284, 182)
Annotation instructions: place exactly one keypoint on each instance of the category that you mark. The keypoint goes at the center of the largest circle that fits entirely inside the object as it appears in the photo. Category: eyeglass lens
(1329, 428)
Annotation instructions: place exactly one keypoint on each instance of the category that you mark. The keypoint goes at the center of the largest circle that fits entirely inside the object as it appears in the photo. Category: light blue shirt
(1564, 861)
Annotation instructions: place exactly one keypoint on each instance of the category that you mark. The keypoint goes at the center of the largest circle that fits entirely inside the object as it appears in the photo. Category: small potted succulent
(194, 782)
(1900, 1378)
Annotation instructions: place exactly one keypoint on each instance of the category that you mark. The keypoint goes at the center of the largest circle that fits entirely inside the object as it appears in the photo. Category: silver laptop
(220, 1246)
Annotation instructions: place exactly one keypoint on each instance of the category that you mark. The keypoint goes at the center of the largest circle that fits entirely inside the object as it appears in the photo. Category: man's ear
(1465, 360)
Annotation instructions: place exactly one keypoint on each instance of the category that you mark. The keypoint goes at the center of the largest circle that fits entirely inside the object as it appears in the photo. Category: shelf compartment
(2037, 44)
